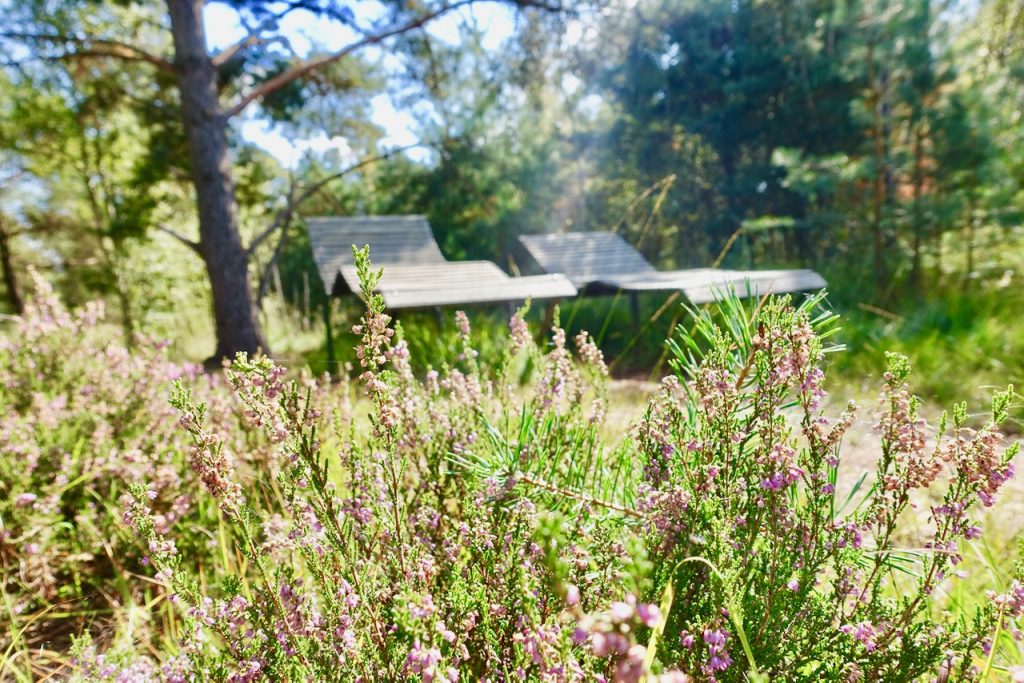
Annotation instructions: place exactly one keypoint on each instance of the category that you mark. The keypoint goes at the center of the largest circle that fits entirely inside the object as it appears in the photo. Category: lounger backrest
(392, 239)
(586, 256)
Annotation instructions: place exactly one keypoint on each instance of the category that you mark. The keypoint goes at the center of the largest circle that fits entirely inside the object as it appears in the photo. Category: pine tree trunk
(733, 221)
(917, 271)
(124, 300)
(14, 299)
(875, 103)
(234, 312)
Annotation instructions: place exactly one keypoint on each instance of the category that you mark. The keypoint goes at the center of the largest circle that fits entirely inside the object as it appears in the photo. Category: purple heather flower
(649, 614)
(23, 500)
(622, 611)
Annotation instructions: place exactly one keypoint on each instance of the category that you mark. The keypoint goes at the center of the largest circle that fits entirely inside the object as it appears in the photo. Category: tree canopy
(871, 138)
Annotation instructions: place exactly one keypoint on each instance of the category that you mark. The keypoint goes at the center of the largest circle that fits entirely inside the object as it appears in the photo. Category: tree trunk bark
(875, 103)
(970, 240)
(124, 300)
(14, 299)
(917, 271)
(234, 313)
(733, 220)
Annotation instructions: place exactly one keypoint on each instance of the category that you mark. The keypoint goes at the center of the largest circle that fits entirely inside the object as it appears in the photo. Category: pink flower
(423, 661)
(718, 658)
(23, 500)
(622, 611)
(650, 615)
(863, 632)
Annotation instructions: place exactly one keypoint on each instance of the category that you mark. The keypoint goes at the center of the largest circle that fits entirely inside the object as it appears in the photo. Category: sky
(223, 28)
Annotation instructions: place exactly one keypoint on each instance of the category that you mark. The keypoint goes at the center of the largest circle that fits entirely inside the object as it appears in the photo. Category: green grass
(631, 350)
(961, 346)
(961, 340)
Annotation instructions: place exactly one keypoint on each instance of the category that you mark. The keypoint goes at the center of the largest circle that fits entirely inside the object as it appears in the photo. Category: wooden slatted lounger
(603, 262)
(416, 274)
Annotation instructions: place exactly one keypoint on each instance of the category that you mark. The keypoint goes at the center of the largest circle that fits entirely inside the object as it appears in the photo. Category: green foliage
(870, 140)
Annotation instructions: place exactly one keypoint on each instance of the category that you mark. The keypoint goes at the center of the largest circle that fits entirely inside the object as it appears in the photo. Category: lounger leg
(331, 362)
(549, 317)
(634, 309)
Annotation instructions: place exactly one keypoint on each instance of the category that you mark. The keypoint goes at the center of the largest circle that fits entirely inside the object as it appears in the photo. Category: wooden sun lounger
(603, 263)
(416, 274)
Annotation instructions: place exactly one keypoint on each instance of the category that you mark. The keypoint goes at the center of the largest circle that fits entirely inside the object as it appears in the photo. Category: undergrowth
(472, 521)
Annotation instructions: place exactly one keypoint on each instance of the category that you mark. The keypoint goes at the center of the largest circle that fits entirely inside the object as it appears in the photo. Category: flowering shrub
(378, 555)
(468, 528)
(81, 419)
(773, 573)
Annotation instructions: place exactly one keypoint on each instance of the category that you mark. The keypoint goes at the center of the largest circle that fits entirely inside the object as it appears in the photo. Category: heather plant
(459, 525)
(758, 568)
(378, 555)
(762, 567)
(81, 418)
(81, 415)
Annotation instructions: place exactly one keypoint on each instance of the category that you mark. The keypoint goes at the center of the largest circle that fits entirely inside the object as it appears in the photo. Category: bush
(83, 418)
(473, 529)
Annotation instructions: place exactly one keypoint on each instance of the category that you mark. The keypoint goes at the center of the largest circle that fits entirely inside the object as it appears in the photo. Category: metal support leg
(549, 317)
(331, 361)
(634, 309)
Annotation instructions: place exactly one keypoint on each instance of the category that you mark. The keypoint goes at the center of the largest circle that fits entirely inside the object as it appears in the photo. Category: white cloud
(289, 151)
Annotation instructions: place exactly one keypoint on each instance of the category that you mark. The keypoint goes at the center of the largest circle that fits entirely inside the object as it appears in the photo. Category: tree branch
(194, 246)
(274, 84)
(227, 53)
(255, 33)
(93, 47)
(546, 6)
(285, 214)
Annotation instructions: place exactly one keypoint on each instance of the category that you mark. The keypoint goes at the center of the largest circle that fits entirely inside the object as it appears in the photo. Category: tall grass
(962, 344)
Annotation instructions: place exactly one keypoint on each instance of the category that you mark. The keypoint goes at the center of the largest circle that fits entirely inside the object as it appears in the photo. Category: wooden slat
(416, 275)
(512, 289)
(460, 282)
(585, 256)
(450, 274)
(604, 261)
(392, 239)
(706, 285)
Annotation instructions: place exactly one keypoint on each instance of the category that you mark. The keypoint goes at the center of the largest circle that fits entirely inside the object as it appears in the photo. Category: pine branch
(194, 246)
(92, 47)
(227, 53)
(255, 35)
(285, 214)
(274, 84)
(575, 495)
